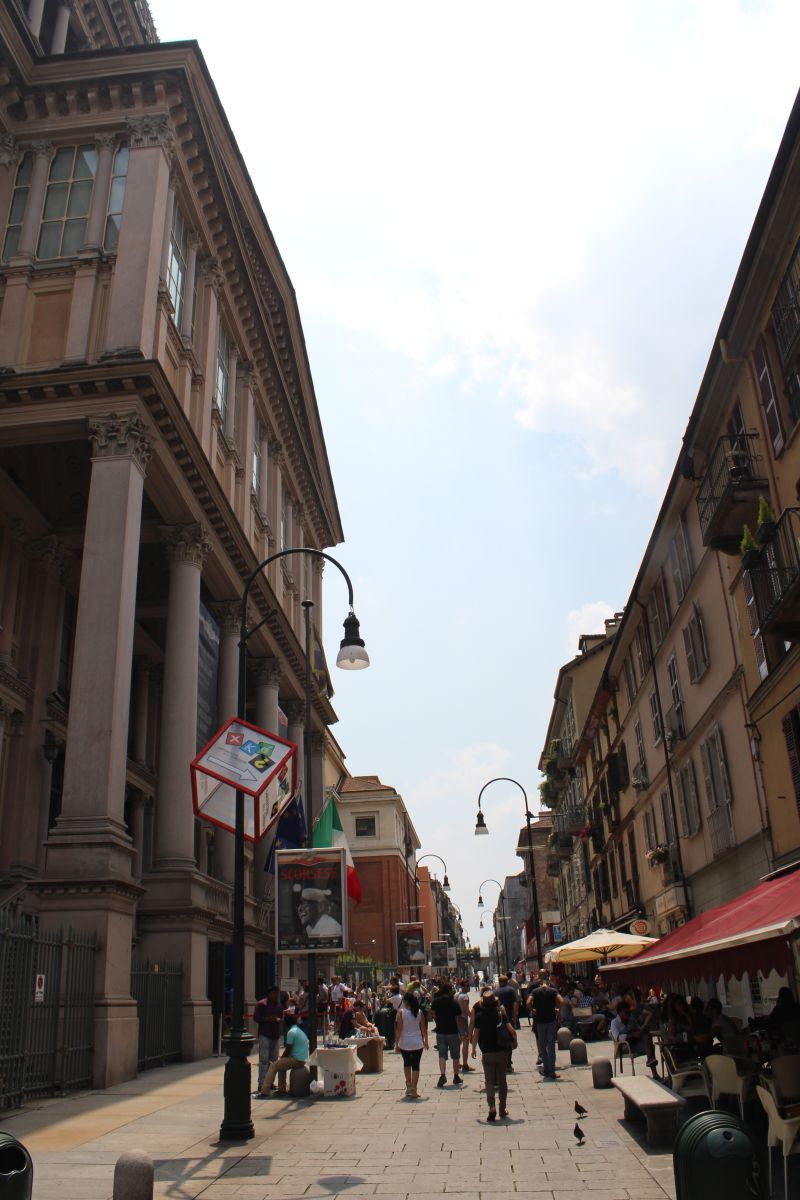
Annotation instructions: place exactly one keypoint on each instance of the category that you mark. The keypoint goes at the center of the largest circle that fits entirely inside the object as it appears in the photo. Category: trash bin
(16, 1169)
(715, 1155)
(339, 1067)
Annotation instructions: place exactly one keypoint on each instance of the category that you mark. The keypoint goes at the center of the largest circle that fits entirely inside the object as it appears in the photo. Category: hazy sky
(512, 230)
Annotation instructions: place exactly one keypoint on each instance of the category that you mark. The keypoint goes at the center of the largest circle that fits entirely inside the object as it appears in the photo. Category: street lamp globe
(480, 900)
(446, 884)
(480, 824)
(352, 654)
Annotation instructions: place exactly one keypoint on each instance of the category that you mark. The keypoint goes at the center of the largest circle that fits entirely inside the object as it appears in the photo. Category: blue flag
(290, 834)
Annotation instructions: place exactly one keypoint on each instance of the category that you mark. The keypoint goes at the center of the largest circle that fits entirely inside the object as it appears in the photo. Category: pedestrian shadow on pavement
(178, 1170)
(340, 1183)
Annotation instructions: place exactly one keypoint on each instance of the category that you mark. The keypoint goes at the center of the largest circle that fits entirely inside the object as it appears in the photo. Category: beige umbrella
(603, 943)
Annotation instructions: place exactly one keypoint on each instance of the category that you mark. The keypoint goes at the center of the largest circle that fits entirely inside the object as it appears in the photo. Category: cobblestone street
(376, 1144)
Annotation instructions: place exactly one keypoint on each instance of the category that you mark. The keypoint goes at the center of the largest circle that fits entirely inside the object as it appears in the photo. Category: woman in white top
(411, 1032)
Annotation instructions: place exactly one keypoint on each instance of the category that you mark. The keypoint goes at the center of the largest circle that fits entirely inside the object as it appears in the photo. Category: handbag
(504, 1038)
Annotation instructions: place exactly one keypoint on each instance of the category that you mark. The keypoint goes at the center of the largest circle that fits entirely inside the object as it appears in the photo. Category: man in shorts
(446, 1012)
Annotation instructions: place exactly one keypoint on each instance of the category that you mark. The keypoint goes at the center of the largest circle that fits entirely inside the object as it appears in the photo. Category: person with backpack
(493, 1032)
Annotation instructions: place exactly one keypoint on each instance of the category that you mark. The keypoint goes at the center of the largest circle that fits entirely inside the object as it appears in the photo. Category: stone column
(42, 154)
(276, 461)
(97, 740)
(61, 27)
(35, 14)
(318, 568)
(263, 480)
(188, 288)
(319, 742)
(141, 715)
(229, 427)
(96, 221)
(228, 614)
(187, 547)
(137, 832)
(267, 673)
(10, 596)
(296, 715)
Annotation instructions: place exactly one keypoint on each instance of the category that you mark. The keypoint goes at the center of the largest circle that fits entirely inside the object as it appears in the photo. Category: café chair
(730, 1076)
(786, 1078)
(782, 1132)
(686, 1079)
(620, 1050)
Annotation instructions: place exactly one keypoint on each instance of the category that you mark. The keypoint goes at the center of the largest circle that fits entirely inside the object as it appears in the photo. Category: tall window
(769, 398)
(255, 477)
(66, 201)
(655, 717)
(718, 792)
(680, 559)
(642, 652)
(658, 612)
(68, 619)
(637, 731)
(688, 807)
(116, 196)
(650, 829)
(759, 645)
(694, 640)
(221, 382)
(284, 520)
(677, 698)
(18, 201)
(629, 675)
(568, 729)
(176, 263)
(666, 819)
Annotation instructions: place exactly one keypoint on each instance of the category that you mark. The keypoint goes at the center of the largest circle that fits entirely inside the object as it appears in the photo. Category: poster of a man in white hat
(311, 906)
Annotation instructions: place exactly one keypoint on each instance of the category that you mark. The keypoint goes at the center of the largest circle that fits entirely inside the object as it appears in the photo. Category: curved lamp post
(503, 918)
(480, 828)
(237, 1124)
(445, 881)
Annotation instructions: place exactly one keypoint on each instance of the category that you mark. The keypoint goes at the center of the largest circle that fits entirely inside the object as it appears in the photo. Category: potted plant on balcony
(751, 552)
(659, 854)
(548, 795)
(767, 521)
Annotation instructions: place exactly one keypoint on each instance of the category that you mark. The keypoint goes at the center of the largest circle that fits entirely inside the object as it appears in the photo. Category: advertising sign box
(242, 757)
(411, 944)
(438, 955)
(310, 901)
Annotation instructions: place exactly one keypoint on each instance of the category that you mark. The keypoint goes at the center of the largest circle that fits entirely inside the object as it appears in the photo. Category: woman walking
(411, 1035)
(495, 1035)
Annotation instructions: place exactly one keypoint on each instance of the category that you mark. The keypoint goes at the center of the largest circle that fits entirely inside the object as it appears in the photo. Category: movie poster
(311, 901)
(411, 944)
(438, 956)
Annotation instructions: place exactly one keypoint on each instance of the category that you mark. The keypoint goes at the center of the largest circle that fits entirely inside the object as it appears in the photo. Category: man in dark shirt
(507, 996)
(446, 1012)
(268, 1014)
(544, 1001)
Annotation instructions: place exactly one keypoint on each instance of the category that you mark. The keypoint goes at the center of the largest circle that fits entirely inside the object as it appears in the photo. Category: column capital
(42, 149)
(276, 452)
(120, 436)
(319, 564)
(6, 711)
(267, 671)
(9, 151)
(298, 512)
(295, 711)
(319, 742)
(186, 543)
(49, 553)
(213, 273)
(105, 141)
(228, 614)
(154, 129)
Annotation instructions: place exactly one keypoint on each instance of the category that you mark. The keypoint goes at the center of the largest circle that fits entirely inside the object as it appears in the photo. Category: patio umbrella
(603, 943)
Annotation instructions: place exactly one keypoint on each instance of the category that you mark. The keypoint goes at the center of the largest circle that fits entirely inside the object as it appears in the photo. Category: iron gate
(46, 1009)
(157, 989)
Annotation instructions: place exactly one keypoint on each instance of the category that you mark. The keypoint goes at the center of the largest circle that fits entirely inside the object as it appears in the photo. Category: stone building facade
(159, 436)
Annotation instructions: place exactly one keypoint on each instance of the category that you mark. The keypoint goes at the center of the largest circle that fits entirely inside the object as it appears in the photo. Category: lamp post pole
(502, 937)
(480, 827)
(237, 1123)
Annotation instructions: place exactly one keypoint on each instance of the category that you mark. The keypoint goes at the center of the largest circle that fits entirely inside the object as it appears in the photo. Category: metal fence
(46, 1009)
(157, 989)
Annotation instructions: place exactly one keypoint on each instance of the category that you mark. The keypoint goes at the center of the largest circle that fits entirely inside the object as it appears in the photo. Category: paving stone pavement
(374, 1144)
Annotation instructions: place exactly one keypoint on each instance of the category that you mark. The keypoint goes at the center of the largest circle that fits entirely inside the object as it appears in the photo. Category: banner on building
(207, 673)
(410, 944)
(438, 955)
(310, 901)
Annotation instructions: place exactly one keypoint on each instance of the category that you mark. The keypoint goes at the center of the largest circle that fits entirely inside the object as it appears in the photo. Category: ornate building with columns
(159, 436)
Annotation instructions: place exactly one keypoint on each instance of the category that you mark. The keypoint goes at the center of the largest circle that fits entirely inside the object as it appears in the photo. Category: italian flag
(328, 832)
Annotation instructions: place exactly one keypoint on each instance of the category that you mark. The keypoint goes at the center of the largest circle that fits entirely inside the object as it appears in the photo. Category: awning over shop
(751, 933)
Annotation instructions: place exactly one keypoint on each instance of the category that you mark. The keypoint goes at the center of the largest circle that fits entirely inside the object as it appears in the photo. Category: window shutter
(682, 807)
(693, 804)
(688, 643)
(793, 750)
(675, 567)
(702, 645)
(752, 616)
(723, 766)
(708, 777)
(768, 397)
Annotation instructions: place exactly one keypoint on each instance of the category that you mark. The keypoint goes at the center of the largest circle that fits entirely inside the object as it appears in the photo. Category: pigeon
(580, 1110)
(578, 1133)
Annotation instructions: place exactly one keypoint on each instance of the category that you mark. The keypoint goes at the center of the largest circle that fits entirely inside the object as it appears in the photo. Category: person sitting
(624, 1028)
(361, 1022)
(787, 1009)
(721, 1026)
(295, 1054)
(679, 1030)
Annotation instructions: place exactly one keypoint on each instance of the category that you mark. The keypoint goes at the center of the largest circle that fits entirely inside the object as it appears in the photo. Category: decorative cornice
(9, 151)
(276, 452)
(155, 129)
(186, 543)
(115, 436)
(228, 614)
(267, 671)
(295, 711)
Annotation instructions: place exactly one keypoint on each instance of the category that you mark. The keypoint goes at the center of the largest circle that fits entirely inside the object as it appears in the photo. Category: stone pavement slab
(374, 1144)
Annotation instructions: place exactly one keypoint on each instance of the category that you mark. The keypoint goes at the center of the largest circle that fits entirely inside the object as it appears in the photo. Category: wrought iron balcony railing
(731, 483)
(569, 819)
(776, 579)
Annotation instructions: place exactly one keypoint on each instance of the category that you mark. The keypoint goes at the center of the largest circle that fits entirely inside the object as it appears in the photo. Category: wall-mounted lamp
(755, 741)
(52, 746)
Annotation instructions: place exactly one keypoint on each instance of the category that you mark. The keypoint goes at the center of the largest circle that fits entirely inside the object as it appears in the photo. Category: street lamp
(504, 938)
(237, 1124)
(480, 828)
(445, 881)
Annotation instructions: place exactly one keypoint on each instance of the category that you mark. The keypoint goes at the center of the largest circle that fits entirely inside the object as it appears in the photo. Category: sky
(512, 230)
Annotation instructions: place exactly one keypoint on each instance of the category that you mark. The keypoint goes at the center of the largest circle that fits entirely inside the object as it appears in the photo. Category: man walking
(268, 1014)
(544, 1001)
(507, 996)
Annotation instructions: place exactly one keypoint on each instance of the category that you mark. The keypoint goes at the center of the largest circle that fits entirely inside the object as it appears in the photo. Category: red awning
(750, 932)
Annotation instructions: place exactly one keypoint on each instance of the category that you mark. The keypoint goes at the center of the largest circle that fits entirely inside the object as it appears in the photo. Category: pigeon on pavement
(578, 1133)
(580, 1110)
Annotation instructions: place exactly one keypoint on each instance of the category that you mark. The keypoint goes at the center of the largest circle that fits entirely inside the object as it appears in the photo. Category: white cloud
(588, 618)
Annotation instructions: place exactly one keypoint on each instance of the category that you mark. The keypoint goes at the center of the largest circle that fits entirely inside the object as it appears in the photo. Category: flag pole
(308, 793)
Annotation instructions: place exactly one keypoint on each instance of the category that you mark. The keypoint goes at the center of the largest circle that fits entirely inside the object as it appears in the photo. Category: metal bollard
(133, 1176)
(715, 1155)
(16, 1169)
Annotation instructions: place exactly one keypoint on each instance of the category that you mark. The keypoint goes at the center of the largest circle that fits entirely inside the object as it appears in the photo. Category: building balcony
(776, 579)
(730, 488)
(569, 819)
(553, 866)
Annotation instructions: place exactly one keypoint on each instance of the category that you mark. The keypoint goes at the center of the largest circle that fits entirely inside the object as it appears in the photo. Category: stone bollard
(577, 1052)
(601, 1073)
(300, 1081)
(563, 1038)
(133, 1176)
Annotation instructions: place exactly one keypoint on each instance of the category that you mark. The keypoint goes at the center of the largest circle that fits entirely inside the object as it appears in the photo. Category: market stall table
(339, 1065)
